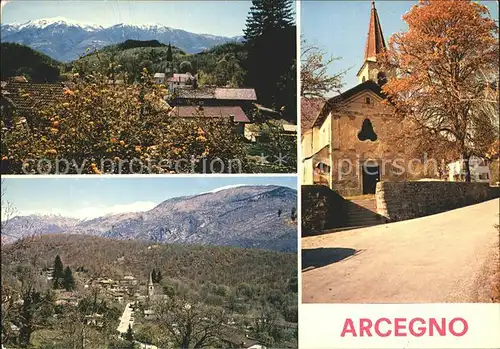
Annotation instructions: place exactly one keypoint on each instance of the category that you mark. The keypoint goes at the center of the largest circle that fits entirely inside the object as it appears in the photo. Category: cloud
(93, 211)
(230, 187)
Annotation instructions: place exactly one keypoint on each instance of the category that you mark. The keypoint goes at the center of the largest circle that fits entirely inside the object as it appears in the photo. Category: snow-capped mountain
(65, 40)
(243, 216)
(54, 22)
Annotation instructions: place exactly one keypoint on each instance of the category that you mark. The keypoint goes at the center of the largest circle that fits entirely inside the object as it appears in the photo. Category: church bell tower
(151, 287)
(375, 45)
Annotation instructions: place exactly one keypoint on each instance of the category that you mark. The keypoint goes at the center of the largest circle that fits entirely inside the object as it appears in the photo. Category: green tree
(129, 335)
(185, 67)
(58, 272)
(158, 277)
(270, 37)
(266, 16)
(32, 301)
(68, 280)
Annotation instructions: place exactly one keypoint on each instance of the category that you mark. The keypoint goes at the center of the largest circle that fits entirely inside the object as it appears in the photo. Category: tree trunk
(467, 168)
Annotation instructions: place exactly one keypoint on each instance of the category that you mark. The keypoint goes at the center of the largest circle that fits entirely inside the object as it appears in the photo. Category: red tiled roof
(181, 77)
(375, 43)
(241, 94)
(220, 93)
(210, 112)
(25, 96)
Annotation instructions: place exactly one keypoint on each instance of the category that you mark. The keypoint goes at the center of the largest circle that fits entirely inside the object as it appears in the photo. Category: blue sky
(97, 196)
(225, 18)
(340, 28)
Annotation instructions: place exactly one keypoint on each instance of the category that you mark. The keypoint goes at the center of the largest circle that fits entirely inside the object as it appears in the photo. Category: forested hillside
(17, 60)
(248, 288)
(219, 66)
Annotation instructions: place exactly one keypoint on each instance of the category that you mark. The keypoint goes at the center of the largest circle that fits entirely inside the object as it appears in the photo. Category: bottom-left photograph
(149, 262)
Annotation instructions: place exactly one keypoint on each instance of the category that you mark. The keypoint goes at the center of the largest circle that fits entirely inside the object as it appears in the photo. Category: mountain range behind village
(242, 216)
(66, 40)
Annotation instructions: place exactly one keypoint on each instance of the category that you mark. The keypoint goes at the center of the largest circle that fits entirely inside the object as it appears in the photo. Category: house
(66, 298)
(149, 314)
(22, 98)
(235, 114)
(214, 102)
(215, 96)
(180, 80)
(159, 78)
(48, 273)
(129, 280)
(479, 170)
(347, 147)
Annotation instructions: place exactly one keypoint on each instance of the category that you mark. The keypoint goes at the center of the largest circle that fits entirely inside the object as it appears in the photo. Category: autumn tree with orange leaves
(446, 79)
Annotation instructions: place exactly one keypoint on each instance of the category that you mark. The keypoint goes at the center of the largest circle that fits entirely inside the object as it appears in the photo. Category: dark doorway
(371, 175)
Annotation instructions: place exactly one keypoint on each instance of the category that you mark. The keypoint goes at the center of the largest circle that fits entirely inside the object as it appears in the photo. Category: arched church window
(364, 79)
(367, 132)
(367, 100)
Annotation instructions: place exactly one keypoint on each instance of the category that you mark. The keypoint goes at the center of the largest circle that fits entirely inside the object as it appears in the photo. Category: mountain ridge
(243, 216)
(66, 40)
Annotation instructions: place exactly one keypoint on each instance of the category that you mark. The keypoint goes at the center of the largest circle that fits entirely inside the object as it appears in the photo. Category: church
(347, 146)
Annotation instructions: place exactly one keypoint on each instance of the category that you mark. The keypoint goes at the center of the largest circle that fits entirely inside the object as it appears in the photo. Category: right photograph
(399, 161)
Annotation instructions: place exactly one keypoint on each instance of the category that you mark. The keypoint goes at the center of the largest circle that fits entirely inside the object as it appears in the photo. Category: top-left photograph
(148, 87)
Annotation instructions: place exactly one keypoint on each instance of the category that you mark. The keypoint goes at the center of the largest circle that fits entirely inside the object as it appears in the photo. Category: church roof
(333, 102)
(375, 43)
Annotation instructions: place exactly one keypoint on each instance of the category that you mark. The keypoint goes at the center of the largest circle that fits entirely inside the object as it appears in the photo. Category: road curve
(447, 257)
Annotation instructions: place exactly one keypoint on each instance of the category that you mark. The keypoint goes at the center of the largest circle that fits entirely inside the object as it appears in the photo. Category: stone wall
(322, 209)
(398, 201)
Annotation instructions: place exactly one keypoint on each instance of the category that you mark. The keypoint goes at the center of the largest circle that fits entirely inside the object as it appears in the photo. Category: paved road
(448, 257)
(125, 319)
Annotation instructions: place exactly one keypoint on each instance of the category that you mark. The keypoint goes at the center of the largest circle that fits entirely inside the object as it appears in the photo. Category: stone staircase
(362, 213)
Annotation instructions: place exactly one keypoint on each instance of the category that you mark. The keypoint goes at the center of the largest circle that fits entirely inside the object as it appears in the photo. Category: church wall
(307, 144)
(322, 136)
(349, 153)
(307, 172)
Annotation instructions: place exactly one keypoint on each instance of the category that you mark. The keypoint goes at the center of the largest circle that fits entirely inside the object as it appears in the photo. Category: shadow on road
(320, 257)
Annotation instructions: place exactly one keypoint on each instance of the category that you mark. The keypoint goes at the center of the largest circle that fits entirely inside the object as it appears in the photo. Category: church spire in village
(151, 287)
(375, 45)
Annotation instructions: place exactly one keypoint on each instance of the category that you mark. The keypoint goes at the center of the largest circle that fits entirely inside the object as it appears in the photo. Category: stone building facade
(348, 147)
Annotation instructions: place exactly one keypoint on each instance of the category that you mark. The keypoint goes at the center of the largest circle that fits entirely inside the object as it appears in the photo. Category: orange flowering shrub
(103, 128)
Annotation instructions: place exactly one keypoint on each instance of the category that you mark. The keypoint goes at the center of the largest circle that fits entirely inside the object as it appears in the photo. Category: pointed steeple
(151, 287)
(375, 43)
